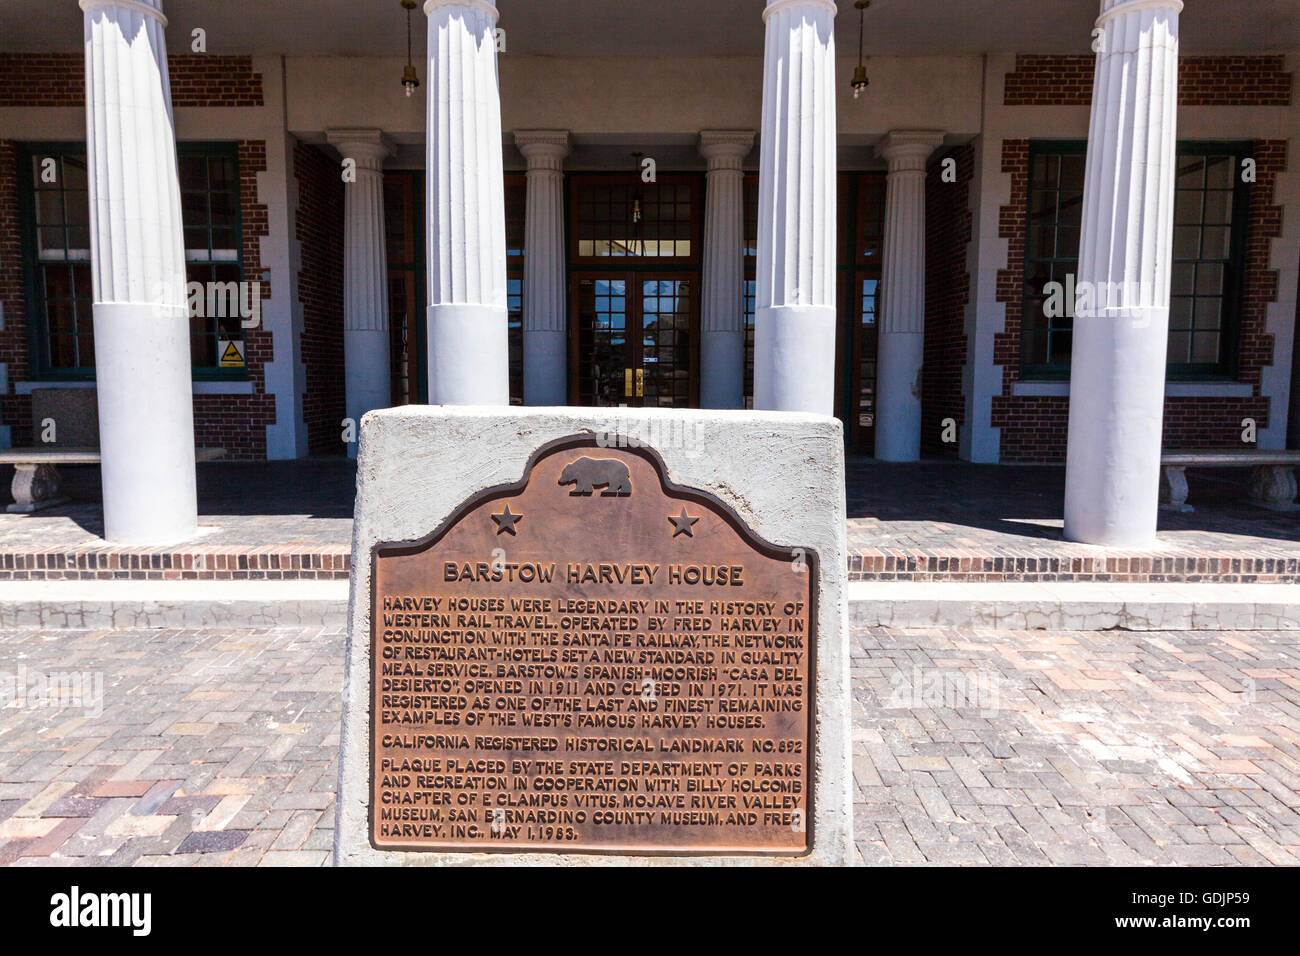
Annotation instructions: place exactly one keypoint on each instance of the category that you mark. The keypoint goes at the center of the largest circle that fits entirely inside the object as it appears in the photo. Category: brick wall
(59, 79)
(319, 230)
(1202, 81)
(948, 224)
(235, 422)
(238, 423)
(15, 410)
(1034, 429)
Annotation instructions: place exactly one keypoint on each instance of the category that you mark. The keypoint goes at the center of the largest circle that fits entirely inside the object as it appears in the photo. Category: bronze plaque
(592, 660)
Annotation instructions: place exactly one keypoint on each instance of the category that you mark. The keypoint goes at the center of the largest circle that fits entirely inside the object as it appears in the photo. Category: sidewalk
(973, 747)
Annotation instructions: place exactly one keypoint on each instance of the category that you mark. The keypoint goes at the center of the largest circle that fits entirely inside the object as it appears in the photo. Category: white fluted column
(794, 330)
(1117, 371)
(546, 347)
(469, 362)
(367, 374)
(142, 329)
(901, 334)
(722, 325)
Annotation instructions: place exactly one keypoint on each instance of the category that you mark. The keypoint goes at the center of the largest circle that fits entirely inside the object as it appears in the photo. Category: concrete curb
(65, 605)
(1081, 606)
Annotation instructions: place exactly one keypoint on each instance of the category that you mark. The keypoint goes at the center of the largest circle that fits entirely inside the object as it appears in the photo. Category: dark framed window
(864, 200)
(516, 202)
(210, 216)
(56, 226)
(1210, 212)
(751, 281)
(617, 220)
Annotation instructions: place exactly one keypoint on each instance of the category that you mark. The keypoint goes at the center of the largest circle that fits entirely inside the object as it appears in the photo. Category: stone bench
(1272, 483)
(37, 484)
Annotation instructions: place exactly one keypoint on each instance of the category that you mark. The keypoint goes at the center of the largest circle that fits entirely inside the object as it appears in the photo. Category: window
(751, 283)
(59, 271)
(516, 200)
(210, 217)
(57, 258)
(618, 220)
(1210, 213)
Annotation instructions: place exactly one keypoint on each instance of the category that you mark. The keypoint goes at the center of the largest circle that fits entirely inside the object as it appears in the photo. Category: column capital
(486, 7)
(776, 6)
(908, 149)
(726, 148)
(543, 148)
(150, 8)
(1110, 9)
(369, 147)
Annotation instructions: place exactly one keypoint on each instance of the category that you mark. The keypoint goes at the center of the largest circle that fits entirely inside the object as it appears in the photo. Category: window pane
(1215, 241)
(1219, 171)
(651, 220)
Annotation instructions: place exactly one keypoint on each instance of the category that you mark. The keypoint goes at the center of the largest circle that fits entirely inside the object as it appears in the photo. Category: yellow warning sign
(231, 355)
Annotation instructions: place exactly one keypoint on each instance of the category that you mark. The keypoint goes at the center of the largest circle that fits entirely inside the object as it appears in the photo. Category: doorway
(633, 341)
(634, 288)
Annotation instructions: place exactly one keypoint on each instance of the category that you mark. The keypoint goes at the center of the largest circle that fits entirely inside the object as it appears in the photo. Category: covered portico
(679, 204)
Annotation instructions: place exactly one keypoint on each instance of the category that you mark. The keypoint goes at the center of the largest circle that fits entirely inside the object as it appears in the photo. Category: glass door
(634, 339)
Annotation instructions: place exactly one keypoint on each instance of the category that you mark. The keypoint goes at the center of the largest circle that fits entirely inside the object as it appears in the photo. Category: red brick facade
(319, 230)
(238, 423)
(1033, 429)
(234, 422)
(15, 410)
(59, 79)
(1202, 81)
(948, 224)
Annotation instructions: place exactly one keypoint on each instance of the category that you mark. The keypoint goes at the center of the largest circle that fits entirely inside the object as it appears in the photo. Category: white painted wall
(636, 96)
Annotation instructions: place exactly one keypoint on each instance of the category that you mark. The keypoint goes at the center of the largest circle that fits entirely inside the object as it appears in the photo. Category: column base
(722, 369)
(794, 359)
(546, 367)
(367, 375)
(469, 355)
(146, 423)
(898, 396)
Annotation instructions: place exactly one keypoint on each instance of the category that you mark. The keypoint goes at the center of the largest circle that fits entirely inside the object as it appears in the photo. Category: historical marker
(590, 659)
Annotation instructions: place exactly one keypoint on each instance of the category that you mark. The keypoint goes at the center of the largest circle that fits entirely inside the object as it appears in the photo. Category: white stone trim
(777, 6)
(485, 7)
(139, 6)
(1116, 8)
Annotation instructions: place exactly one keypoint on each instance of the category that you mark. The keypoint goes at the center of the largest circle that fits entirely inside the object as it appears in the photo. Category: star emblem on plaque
(506, 521)
(682, 524)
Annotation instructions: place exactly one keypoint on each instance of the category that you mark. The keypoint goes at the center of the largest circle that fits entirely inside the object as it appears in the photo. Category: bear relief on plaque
(568, 665)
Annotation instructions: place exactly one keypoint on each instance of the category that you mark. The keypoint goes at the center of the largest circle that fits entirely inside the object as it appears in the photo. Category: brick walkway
(927, 521)
(1103, 748)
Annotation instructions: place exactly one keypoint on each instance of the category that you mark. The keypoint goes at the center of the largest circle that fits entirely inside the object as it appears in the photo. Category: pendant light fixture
(409, 78)
(860, 80)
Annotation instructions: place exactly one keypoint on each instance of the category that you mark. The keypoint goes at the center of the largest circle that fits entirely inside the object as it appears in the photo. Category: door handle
(627, 383)
(640, 382)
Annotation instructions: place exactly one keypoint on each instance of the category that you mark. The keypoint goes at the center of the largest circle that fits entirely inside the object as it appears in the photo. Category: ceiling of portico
(662, 27)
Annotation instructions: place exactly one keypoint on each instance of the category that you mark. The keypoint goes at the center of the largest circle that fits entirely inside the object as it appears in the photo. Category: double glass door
(634, 340)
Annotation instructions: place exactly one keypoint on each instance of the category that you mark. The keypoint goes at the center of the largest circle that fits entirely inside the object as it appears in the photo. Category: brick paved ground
(1110, 747)
(970, 747)
(212, 748)
(927, 521)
